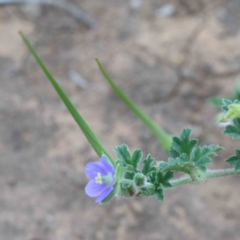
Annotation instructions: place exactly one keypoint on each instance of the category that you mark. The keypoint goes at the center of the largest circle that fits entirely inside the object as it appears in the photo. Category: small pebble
(167, 10)
(77, 79)
(135, 4)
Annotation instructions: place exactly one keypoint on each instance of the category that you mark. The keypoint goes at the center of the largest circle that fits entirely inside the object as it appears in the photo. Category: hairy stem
(221, 173)
(181, 181)
(208, 174)
(126, 181)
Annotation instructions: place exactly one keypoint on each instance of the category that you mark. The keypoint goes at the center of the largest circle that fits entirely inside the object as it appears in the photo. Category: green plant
(131, 174)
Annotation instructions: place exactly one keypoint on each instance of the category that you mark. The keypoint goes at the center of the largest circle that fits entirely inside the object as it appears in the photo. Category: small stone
(31, 10)
(151, 84)
(167, 10)
(135, 4)
(77, 79)
(49, 218)
(12, 181)
(191, 72)
(229, 16)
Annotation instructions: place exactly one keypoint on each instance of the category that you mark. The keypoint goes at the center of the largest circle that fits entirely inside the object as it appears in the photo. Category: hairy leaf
(225, 103)
(199, 158)
(183, 144)
(136, 158)
(233, 130)
(160, 182)
(216, 101)
(181, 164)
(159, 194)
(234, 160)
(147, 165)
(123, 154)
(125, 159)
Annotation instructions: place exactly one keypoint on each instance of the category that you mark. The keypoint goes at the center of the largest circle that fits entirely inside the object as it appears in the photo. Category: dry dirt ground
(170, 66)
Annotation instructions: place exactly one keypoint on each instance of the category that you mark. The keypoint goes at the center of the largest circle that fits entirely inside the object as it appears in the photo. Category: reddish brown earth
(169, 66)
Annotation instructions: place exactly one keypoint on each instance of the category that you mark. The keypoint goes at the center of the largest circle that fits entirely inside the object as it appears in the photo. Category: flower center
(98, 178)
(104, 179)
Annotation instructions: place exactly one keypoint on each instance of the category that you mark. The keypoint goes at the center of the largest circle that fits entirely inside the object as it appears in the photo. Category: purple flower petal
(107, 172)
(93, 189)
(109, 168)
(104, 194)
(93, 168)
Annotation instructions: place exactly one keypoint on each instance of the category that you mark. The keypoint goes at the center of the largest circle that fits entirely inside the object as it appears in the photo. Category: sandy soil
(169, 66)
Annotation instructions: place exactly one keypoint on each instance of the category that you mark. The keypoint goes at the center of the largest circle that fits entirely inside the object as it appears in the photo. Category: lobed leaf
(159, 194)
(235, 160)
(225, 103)
(136, 158)
(199, 158)
(160, 182)
(123, 154)
(216, 101)
(183, 144)
(147, 165)
(233, 130)
(181, 164)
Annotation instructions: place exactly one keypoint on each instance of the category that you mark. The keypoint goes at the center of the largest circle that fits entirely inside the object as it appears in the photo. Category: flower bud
(129, 192)
(233, 112)
(139, 179)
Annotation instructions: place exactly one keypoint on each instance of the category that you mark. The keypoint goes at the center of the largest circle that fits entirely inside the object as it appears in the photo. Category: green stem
(149, 185)
(221, 173)
(127, 181)
(208, 174)
(181, 181)
(193, 175)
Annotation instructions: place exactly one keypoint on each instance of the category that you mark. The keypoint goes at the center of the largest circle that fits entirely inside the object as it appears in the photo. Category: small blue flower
(102, 179)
